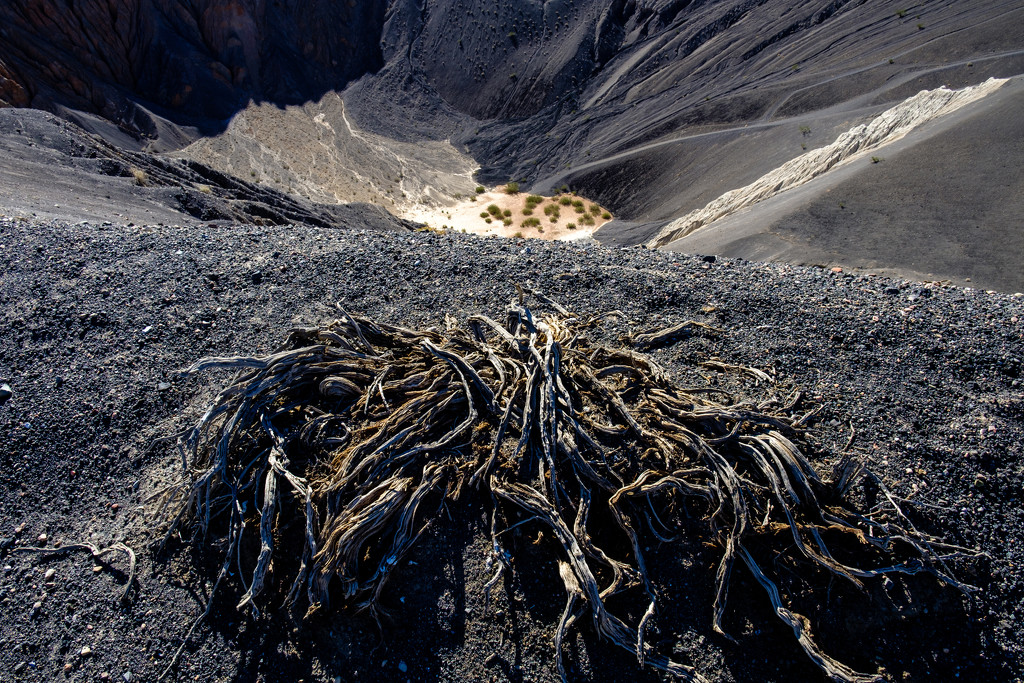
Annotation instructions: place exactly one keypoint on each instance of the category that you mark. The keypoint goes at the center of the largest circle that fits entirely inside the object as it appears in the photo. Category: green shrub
(527, 211)
(484, 214)
(534, 199)
(571, 226)
(494, 210)
(586, 219)
(506, 213)
(531, 222)
(607, 216)
(595, 209)
(487, 220)
(512, 188)
(564, 201)
(554, 219)
(506, 221)
(480, 189)
(517, 234)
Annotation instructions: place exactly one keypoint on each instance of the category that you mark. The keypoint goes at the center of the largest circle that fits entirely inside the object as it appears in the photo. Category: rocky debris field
(98, 321)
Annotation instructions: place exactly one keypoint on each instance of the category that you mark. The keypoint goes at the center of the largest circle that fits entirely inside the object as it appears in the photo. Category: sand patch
(562, 217)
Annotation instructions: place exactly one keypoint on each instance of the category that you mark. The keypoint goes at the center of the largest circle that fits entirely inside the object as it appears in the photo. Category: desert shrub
(340, 472)
(487, 220)
(517, 234)
(531, 222)
(512, 188)
(527, 211)
(564, 201)
(494, 210)
(506, 213)
(607, 216)
(595, 209)
(534, 199)
(554, 219)
(586, 219)
(205, 189)
(480, 189)
(571, 226)
(140, 176)
(484, 214)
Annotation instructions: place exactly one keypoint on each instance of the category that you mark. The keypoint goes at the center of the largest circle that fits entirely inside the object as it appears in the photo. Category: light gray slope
(945, 203)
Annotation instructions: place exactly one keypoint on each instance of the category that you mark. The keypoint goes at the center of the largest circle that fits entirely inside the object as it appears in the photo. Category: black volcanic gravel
(96, 321)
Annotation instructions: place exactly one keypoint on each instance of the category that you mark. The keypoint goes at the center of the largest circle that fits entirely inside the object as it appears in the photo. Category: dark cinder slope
(100, 320)
(195, 62)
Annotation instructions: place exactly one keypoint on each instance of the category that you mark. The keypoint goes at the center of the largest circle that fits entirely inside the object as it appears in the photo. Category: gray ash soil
(99, 320)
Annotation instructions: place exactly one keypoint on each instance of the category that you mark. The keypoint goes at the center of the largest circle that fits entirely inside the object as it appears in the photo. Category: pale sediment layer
(887, 127)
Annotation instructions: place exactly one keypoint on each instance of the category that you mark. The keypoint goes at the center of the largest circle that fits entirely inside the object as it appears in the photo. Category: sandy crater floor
(464, 216)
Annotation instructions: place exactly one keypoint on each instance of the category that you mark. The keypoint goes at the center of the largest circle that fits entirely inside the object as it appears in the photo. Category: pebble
(50, 573)
(42, 539)
(86, 651)
(5, 393)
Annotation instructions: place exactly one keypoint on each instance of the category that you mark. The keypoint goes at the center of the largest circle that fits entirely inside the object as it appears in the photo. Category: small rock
(403, 667)
(20, 668)
(86, 651)
(491, 659)
(163, 386)
(35, 609)
(104, 676)
(6, 542)
(68, 668)
(127, 677)
(50, 573)
(5, 393)
(18, 529)
(42, 539)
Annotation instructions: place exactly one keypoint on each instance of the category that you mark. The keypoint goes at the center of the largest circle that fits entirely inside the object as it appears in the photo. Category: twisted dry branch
(360, 431)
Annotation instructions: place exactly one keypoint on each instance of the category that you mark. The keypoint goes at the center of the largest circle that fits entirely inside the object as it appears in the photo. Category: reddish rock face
(201, 59)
